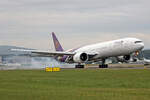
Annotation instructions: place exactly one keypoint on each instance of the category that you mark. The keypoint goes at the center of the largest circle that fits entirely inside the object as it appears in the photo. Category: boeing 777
(121, 48)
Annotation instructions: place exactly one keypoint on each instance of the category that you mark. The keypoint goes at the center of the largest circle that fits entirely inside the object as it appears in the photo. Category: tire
(103, 66)
(106, 66)
(100, 66)
(79, 66)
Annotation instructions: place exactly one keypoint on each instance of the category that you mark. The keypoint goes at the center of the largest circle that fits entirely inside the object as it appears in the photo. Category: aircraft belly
(112, 52)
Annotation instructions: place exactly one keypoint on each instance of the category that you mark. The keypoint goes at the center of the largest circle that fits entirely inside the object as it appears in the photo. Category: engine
(80, 57)
(123, 58)
(126, 57)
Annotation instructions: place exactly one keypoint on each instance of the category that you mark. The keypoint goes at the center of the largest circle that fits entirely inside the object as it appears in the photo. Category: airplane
(121, 48)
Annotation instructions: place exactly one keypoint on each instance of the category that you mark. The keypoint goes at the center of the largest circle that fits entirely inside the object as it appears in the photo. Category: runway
(111, 66)
(122, 66)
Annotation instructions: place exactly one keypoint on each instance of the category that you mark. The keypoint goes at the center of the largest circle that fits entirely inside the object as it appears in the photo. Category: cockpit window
(138, 42)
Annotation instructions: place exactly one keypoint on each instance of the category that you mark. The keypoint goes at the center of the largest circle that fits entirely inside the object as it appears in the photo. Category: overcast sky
(28, 23)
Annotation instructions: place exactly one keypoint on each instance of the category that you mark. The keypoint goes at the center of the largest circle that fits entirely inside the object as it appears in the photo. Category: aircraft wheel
(106, 66)
(79, 66)
(103, 66)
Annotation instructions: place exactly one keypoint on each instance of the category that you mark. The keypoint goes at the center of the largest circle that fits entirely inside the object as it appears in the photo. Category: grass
(75, 84)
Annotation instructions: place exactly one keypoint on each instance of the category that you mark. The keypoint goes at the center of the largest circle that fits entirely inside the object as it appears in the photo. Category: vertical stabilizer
(57, 45)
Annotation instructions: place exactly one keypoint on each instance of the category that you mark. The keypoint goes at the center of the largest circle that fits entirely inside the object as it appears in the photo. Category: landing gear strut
(79, 66)
(103, 65)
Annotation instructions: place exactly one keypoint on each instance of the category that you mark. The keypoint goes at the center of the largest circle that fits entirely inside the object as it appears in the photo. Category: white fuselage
(113, 48)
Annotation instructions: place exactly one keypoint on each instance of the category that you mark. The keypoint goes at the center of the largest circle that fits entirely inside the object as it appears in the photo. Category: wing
(45, 53)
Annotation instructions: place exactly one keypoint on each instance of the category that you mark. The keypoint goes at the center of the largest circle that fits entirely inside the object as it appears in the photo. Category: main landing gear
(79, 66)
(103, 65)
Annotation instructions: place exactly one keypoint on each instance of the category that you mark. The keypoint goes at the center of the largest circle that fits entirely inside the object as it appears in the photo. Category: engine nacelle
(123, 58)
(126, 57)
(80, 57)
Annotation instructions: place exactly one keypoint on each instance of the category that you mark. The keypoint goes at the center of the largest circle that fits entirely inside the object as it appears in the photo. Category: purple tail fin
(57, 45)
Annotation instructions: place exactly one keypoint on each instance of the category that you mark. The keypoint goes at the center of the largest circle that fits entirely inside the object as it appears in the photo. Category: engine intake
(80, 57)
